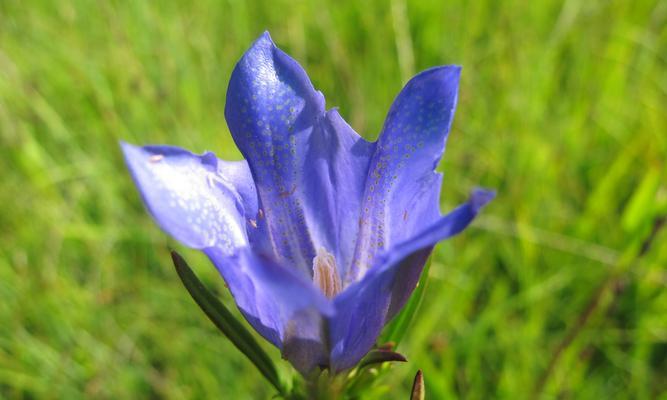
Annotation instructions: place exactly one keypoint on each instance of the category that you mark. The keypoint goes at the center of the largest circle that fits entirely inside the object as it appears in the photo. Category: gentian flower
(319, 234)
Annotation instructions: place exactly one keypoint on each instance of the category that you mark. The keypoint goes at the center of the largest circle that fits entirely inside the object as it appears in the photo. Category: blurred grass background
(559, 291)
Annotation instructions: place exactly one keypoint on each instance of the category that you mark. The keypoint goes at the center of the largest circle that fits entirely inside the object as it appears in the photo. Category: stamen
(325, 273)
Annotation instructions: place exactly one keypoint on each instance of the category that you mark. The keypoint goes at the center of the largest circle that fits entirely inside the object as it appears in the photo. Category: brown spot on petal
(285, 193)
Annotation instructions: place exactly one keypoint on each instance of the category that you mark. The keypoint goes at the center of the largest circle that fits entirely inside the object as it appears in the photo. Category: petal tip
(130, 152)
(481, 197)
(265, 37)
(444, 72)
(125, 146)
(450, 72)
(453, 69)
(261, 49)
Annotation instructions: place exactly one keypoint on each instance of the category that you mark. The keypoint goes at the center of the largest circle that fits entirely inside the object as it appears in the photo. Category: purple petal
(334, 181)
(198, 199)
(364, 308)
(279, 303)
(402, 191)
(303, 160)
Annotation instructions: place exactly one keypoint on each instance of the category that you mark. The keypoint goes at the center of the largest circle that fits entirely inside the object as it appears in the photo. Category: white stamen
(325, 273)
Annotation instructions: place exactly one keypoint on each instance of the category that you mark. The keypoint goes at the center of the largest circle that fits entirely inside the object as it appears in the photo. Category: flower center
(325, 273)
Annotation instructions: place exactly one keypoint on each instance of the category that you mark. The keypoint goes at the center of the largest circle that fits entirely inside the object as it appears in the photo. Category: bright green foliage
(558, 291)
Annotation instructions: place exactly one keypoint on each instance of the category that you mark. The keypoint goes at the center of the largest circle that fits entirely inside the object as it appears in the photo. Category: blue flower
(319, 234)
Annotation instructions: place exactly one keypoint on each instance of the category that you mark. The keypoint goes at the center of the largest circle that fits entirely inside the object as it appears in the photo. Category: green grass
(554, 293)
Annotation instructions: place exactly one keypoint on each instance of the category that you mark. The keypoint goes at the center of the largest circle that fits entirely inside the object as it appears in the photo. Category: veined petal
(210, 204)
(303, 159)
(198, 199)
(334, 178)
(364, 308)
(282, 305)
(402, 189)
(271, 109)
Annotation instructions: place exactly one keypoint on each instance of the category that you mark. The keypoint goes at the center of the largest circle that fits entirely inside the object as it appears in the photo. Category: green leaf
(226, 322)
(396, 329)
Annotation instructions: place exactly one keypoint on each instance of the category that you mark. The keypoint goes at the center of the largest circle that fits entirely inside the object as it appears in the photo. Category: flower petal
(402, 191)
(303, 160)
(198, 199)
(271, 109)
(334, 180)
(210, 204)
(364, 308)
(279, 303)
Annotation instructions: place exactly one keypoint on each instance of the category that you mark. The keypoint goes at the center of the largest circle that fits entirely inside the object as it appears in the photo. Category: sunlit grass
(562, 110)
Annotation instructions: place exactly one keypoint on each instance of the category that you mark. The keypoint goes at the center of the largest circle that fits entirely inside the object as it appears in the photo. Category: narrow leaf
(396, 329)
(642, 205)
(379, 356)
(226, 322)
(418, 388)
